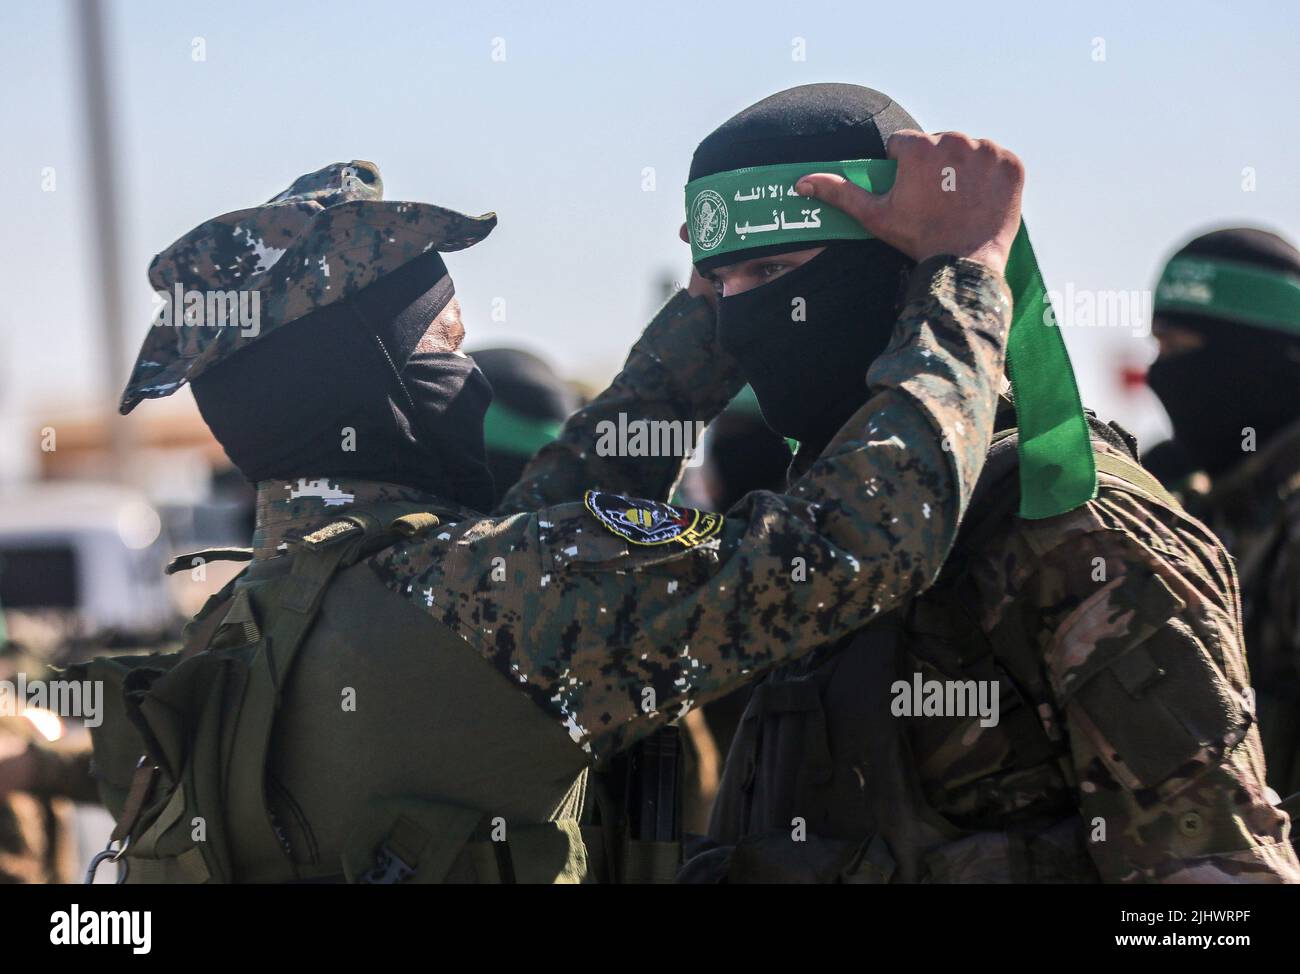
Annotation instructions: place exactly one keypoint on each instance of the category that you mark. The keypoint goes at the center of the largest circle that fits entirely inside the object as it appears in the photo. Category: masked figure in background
(1227, 318)
(400, 687)
(1068, 702)
(529, 406)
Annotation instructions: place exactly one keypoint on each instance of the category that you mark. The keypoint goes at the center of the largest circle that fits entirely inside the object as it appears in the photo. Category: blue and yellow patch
(644, 522)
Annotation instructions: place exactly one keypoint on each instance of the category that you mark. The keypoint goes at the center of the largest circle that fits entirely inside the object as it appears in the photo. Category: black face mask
(449, 397)
(411, 417)
(1239, 378)
(809, 375)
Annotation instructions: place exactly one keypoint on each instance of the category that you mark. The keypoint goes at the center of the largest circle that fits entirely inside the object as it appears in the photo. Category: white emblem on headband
(708, 220)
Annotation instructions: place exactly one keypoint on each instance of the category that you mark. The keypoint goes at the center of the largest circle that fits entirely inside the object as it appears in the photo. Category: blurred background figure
(81, 576)
(530, 403)
(1227, 319)
(44, 768)
(78, 576)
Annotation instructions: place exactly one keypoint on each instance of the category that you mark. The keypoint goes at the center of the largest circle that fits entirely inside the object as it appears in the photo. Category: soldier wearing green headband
(1069, 701)
(530, 403)
(1227, 319)
(401, 686)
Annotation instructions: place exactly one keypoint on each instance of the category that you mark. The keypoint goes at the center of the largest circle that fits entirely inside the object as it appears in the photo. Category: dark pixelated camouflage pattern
(327, 236)
(1129, 610)
(1255, 508)
(615, 639)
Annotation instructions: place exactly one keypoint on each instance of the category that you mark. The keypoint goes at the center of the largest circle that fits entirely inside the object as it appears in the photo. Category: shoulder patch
(646, 522)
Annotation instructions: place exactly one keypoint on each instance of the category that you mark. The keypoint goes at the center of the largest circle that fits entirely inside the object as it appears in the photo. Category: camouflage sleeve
(675, 377)
(618, 614)
(1140, 623)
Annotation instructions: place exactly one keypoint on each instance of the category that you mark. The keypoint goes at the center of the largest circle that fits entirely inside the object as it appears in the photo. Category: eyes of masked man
(805, 327)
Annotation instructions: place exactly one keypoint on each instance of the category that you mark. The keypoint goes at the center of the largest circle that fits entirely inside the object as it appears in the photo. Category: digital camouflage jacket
(616, 612)
(458, 678)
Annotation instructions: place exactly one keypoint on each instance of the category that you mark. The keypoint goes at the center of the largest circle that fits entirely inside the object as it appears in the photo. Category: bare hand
(952, 195)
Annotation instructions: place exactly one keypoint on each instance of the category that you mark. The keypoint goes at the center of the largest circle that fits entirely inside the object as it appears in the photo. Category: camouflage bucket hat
(240, 276)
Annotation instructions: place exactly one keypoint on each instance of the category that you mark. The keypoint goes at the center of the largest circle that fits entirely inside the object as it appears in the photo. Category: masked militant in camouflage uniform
(1227, 316)
(1069, 701)
(399, 687)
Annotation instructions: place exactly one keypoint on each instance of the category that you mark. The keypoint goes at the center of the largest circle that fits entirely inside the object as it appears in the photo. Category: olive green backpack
(184, 736)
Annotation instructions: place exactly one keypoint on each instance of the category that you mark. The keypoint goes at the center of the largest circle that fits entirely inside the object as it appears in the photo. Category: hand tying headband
(742, 210)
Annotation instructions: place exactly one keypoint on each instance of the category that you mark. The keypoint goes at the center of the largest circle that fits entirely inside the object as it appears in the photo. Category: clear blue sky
(1126, 156)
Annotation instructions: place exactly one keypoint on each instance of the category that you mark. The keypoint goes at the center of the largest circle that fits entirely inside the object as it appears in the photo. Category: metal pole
(97, 99)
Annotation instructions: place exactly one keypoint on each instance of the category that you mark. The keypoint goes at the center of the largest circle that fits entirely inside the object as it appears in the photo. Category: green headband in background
(743, 209)
(1232, 290)
(511, 432)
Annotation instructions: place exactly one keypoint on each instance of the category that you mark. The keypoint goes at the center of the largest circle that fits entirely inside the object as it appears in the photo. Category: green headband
(511, 432)
(1228, 289)
(743, 209)
(757, 207)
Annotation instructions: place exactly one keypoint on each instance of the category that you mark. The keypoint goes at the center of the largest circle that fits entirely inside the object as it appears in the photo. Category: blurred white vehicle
(82, 562)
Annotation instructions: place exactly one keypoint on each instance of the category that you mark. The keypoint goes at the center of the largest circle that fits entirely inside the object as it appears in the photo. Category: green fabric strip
(745, 401)
(757, 207)
(1231, 290)
(1057, 469)
(743, 209)
(511, 432)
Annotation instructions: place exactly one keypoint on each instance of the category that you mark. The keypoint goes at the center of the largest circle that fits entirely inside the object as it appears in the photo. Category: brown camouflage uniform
(1132, 609)
(1255, 508)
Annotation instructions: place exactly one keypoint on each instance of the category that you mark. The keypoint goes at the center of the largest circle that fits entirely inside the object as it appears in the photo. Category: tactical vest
(820, 750)
(203, 791)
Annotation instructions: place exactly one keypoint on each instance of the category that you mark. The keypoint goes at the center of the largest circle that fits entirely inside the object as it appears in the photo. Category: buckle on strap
(389, 868)
(194, 559)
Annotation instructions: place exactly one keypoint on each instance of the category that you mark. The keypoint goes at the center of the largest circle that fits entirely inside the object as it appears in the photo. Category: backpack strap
(1135, 477)
(997, 492)
(996, 495)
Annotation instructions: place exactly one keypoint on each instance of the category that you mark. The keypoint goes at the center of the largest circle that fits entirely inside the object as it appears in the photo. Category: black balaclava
(810, 375)
(345, 392)
(528, 387)
(1242, 377)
